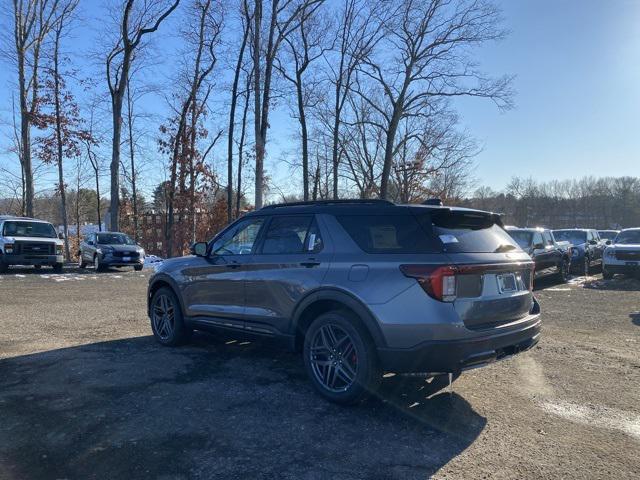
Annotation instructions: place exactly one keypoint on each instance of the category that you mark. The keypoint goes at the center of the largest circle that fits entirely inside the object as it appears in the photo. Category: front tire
(340, 359)
(137, 268)
(586, 267)
(563, 271)
(97, 264)
(606, 274)
(57, 268)
(4, 268)
(81, 263)
(167, 322)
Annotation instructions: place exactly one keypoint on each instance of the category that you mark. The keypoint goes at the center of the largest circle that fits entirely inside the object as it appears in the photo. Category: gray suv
(110, 249)
(361, 287)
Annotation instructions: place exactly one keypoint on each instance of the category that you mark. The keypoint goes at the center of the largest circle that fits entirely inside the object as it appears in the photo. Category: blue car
(587, 249)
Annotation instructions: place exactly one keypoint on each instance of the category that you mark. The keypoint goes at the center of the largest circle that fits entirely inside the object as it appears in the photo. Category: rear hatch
(488, 278)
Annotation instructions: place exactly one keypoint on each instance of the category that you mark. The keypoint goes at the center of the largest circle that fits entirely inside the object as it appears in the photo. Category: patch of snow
(596, 415)
(558, 289)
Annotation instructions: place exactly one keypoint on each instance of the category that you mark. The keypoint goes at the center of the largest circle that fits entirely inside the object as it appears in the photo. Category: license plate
(126, 259)
(631, 264)
(507, 283)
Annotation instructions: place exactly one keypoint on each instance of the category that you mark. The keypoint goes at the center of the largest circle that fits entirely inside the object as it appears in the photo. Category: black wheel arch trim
(346, 298)
(172, 284)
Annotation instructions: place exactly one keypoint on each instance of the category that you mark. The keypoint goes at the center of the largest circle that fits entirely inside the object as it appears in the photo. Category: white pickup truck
(27, 241)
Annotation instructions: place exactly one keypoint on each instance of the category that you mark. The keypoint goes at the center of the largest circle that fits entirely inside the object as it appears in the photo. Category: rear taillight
(439, 281)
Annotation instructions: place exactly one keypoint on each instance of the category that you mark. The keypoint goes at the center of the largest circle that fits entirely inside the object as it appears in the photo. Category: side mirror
(89, 242)
(199, 249)
(608, 242)
(538, 246)
(61, 236)
(592, 242)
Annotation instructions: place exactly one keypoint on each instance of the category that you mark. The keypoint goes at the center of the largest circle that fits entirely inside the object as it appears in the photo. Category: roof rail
(433, 201)
(312, 203)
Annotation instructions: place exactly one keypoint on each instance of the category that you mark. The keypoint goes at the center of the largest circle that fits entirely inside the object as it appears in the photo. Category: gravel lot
(85, 392)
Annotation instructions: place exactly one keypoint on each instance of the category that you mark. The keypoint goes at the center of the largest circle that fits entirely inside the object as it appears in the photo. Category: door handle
(310, 263)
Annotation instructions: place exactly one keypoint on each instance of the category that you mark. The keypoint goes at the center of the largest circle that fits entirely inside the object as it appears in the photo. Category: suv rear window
(387, 233)
(471, 232)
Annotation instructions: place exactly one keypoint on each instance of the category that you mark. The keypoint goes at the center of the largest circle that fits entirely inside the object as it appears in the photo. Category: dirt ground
(85, 392)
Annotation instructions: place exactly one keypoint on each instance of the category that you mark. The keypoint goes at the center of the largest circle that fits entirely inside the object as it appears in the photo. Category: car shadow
(635, 318)
(220, 407)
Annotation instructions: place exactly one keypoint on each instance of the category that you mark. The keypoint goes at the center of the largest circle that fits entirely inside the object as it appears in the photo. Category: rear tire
(37, 267)
(340, 359)
(605, 274)
(57, 268)
(137, 268)
(167, 322)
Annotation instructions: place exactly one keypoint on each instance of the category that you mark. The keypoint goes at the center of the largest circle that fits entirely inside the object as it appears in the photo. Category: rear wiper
(504, 248)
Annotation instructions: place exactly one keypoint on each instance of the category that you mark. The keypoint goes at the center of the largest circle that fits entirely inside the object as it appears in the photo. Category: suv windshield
(629, 237)
(114, 239)
(28, 229)
(522, 237)
(577, 237)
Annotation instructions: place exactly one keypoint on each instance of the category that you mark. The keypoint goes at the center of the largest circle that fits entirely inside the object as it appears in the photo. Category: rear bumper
(31, 259)
(458, 355)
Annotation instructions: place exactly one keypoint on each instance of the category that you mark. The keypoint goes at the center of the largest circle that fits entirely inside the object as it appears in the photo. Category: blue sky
(578, 92)
(577, 67)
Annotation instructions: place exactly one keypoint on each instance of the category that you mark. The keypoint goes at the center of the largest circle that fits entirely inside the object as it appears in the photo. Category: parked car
(27, 241)
(607, 236)
(550, 257)
(623, 255)
(587, 249)
(361, 287)
(110, 249)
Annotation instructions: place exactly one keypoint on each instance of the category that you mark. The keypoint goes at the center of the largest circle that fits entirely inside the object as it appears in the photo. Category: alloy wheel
(333, 358)
(163, 317)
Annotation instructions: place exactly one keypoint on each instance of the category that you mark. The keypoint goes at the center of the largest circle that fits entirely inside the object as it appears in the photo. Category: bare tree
(356, 36)
(304, 46)
(136, 23)
(284, 16)
(246, 18)
(61, 123)
(431, 40)
(32, 23)
(202, 37)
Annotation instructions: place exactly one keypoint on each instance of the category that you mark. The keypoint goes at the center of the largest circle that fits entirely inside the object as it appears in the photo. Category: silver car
(360, 287)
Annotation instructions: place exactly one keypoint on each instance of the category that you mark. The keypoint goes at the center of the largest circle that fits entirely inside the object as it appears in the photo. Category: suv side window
(291, 234)
(547, 238)
(240, 239)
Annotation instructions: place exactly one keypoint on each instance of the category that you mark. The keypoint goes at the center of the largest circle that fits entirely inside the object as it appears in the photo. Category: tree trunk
(388, 150)
(243, 132)
(232, 118)
(134, 193)
(114, 204)
(259, 140)
(58, 114)
(305, 137)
